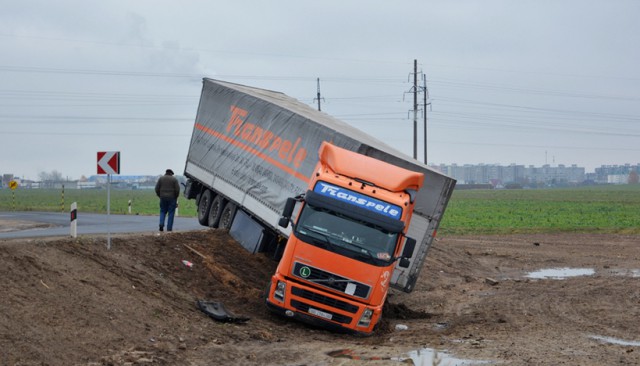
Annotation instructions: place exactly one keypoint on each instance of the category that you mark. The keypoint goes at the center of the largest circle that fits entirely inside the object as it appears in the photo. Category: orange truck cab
(347, 237)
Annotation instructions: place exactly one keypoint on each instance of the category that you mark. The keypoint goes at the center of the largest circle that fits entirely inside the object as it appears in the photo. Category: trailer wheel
(215, 211)
(226, 218)
(203, 207)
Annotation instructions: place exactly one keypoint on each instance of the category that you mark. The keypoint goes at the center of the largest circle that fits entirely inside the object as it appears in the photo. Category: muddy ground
(73, 302)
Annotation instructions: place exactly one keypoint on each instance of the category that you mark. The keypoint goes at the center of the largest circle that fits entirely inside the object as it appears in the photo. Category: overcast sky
(524, 82)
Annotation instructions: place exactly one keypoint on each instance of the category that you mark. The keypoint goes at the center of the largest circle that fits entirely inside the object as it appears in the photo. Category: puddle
(634, 273)
(441, 325)
(617, 341)
(428, 357)
(560, 273)
(421, 357)
(566, 272)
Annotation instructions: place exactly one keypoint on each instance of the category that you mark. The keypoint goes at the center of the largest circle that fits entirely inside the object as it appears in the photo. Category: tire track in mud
(556, 314)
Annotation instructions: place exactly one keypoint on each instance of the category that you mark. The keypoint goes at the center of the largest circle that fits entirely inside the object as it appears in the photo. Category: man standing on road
(168, 189)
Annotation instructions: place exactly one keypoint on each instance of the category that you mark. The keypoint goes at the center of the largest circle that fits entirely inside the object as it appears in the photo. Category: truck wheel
(215, 212)
(267, 290)
(226, 218)
(203, 207)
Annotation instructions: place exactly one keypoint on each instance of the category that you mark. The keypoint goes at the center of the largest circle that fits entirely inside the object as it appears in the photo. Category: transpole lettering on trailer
(288, 151)
(264, 144)
(253, 151)
(358, 199)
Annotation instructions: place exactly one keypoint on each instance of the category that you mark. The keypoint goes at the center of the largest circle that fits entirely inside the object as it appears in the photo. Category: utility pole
(415, 90)
(415, 109)
(426, 95)
(318, 95)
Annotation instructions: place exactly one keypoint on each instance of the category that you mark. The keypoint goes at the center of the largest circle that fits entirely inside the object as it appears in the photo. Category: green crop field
(601, 209)
(143, 202)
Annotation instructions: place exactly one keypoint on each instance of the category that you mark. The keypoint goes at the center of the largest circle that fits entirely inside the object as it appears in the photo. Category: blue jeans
(167, 207)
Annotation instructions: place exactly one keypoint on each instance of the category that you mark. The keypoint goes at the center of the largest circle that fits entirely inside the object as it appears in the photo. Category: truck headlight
(365, 319)
(281, 288)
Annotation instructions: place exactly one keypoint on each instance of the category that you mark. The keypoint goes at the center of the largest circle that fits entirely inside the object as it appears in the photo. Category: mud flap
(217, 311)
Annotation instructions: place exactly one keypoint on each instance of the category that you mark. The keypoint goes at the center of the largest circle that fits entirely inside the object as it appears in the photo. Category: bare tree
(43, 176)
(48, 179)
(56, 176)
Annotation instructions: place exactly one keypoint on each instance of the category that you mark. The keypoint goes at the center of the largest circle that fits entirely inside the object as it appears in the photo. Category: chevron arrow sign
(108, 162)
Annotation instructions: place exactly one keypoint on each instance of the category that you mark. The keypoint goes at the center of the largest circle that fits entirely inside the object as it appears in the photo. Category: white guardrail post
(74, 220)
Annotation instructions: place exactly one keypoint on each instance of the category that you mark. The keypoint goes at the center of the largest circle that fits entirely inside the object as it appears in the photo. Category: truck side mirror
(287, 212)
(288, 207)
(407, 252)
(284, 222)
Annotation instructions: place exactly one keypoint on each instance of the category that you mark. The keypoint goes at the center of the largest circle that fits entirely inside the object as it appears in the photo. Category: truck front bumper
(311, 320)
(302, 304)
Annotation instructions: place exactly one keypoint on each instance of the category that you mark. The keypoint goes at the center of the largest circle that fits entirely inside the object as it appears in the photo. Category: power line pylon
(415, 90)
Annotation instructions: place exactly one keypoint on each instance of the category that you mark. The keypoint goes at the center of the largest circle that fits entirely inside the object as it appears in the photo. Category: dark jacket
(168, 187)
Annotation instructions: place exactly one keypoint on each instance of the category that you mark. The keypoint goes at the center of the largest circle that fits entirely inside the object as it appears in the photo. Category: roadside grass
(599, 209)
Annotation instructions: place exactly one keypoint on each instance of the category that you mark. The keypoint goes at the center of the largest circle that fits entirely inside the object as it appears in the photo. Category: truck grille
(315, 297)
(334, 317)
(329, 280)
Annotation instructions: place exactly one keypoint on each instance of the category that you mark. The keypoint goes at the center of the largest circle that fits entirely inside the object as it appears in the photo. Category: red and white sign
(108, 162)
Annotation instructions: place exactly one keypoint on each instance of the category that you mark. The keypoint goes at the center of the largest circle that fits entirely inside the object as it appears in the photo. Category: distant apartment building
(614, 174)
(498, 175)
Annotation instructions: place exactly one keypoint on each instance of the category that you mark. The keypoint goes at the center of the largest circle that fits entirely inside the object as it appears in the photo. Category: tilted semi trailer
(364, 215)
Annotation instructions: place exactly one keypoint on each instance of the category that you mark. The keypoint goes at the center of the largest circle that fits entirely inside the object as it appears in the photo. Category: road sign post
(108, 163)
(13, 185)
(108, 211)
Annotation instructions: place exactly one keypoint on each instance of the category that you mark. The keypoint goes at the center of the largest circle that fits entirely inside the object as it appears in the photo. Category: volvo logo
(305, 272)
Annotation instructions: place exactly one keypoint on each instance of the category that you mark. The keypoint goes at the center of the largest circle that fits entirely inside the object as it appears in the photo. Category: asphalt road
(89, 223)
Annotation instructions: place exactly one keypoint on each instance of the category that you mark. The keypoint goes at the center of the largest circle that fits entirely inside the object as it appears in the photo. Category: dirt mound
(73, 302)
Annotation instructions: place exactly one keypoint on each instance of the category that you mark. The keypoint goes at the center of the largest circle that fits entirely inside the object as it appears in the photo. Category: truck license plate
(321, 314)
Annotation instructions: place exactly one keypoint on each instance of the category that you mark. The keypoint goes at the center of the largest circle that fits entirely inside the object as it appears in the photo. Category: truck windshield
(345, 235)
